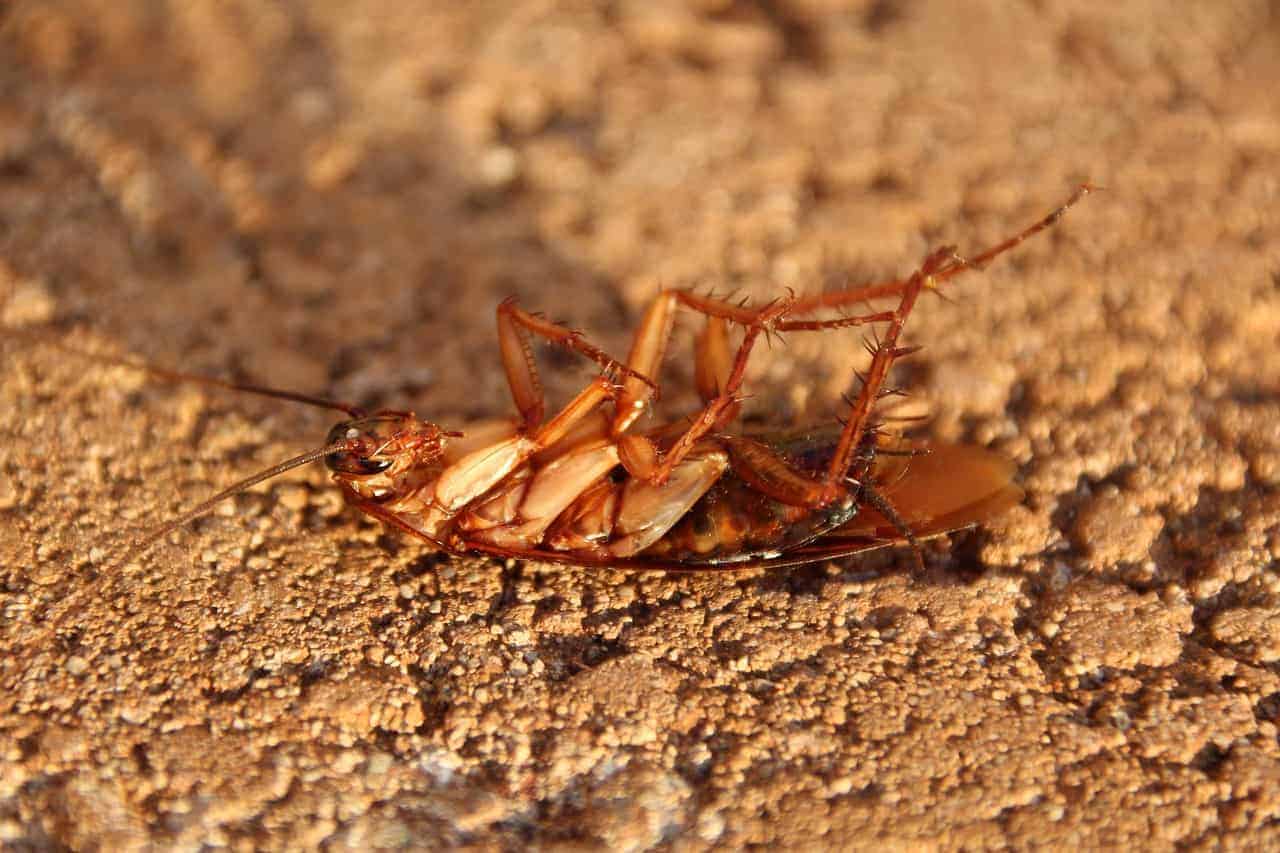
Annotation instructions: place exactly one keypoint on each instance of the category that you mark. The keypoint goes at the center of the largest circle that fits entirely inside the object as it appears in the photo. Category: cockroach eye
(351, 461)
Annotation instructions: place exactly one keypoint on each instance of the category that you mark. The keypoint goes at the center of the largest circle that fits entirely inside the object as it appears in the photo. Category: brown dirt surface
(334, 196)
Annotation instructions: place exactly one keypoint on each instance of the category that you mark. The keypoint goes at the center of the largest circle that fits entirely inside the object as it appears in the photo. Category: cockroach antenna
(249, 388)
(179, 377)
(139, 546)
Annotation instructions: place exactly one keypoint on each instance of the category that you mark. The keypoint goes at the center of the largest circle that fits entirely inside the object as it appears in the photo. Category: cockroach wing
(951, 487)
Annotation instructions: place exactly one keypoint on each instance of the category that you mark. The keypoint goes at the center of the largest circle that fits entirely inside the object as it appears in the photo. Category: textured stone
(334, 201)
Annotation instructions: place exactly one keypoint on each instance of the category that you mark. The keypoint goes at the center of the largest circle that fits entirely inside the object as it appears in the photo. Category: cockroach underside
(587, 486)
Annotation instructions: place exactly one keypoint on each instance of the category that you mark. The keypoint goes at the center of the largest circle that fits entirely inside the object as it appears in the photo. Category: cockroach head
(383, 442)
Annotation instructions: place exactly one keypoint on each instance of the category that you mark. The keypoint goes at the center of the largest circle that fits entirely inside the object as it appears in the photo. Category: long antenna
(177, 376)
(202, 508)
(261, 390)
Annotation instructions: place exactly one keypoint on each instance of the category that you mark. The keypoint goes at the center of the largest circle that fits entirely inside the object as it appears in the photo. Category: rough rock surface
(333, 197)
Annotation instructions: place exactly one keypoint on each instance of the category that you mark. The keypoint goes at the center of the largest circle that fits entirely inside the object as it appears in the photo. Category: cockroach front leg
(402, 523)
(514, 327)
(468, 478)
(714, 362)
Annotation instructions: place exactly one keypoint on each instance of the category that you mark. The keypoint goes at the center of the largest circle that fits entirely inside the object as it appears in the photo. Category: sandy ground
(334, 196)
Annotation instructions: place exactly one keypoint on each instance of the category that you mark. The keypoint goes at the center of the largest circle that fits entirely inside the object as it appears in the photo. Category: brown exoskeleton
(584, 487)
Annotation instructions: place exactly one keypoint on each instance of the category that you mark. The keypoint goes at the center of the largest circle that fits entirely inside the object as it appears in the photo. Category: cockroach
(585, 487)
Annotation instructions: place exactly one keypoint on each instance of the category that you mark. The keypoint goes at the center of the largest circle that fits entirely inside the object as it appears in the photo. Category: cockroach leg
(714, 363)
(937, 267)
(579, 407)
(712, 360)
(647, 349)
(880, 290)
(391, 519)
(883, 356)
(722, 406)
(521, 369)
(859, 420)
(767, 472)
(514, 327)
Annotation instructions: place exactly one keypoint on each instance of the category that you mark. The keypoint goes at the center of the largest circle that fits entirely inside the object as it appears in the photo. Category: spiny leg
(849, 447)
(514, 327)
(639, 455)
(886, 351)
(883, 505)
(712, 359)
(650, 346)
(719, 376)
(651, 343)
(725, 403)
(940, 265)
(864, 293)
(651, 339)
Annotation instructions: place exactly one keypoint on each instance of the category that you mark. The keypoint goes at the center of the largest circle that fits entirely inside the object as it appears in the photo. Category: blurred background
(336, 195)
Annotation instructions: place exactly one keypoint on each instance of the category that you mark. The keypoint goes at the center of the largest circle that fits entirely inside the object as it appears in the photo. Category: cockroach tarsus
(584, 487)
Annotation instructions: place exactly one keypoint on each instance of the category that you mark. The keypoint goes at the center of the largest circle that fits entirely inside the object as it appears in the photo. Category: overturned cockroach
(582, 487)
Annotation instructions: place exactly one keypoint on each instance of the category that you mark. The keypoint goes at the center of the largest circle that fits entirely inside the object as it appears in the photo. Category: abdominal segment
(762, 507)
(518, 515)
(583, 503)
(571, 504)
(729, 501)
